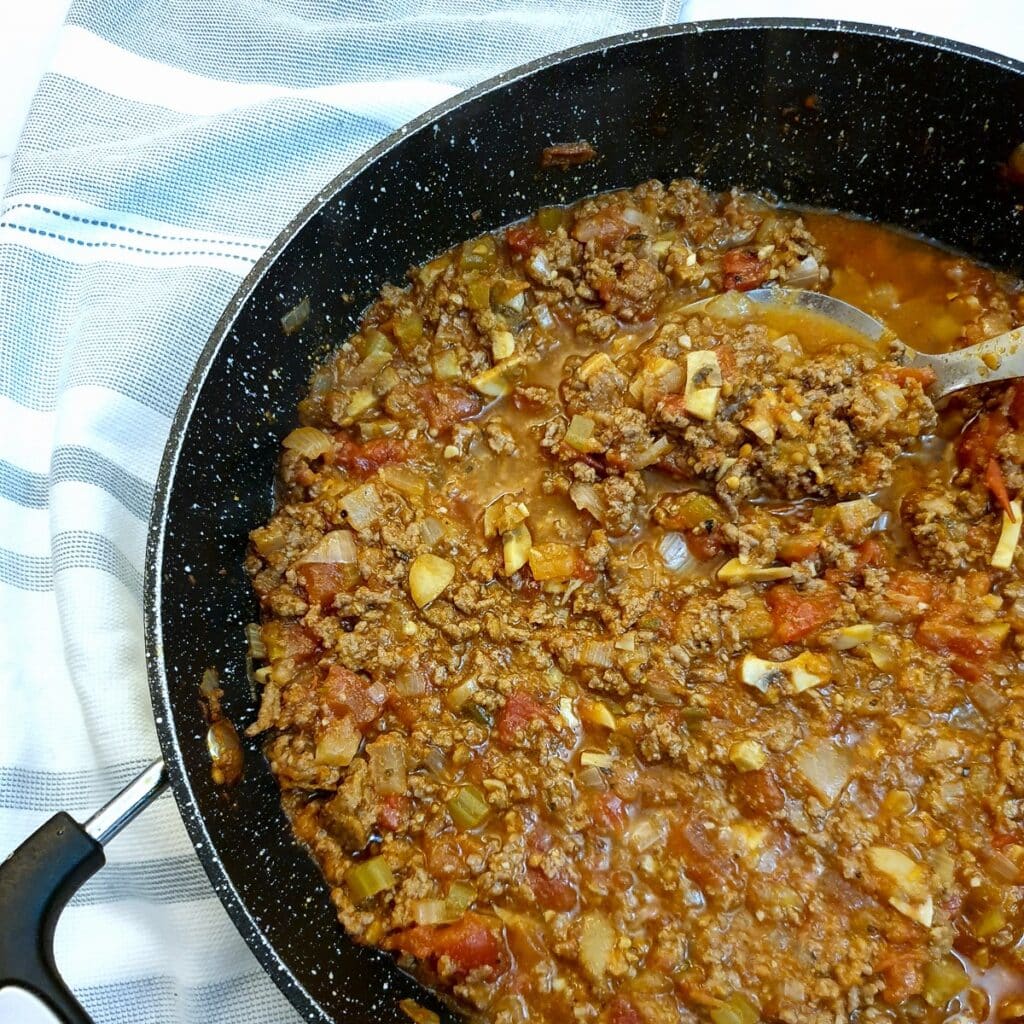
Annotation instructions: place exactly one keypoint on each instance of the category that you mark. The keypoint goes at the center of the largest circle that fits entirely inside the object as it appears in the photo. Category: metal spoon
(999, 358)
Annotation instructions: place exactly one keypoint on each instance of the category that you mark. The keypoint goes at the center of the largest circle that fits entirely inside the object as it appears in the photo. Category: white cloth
(168, 142)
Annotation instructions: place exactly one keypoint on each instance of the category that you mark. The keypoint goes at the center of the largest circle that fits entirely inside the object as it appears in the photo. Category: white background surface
(28, 35)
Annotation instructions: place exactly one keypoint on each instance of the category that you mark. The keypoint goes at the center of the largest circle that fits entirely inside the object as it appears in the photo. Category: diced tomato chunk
(950, 631)
(800, 546)
(621, 1011)
(472, 941)
(911, 588)
(704, 545)
(901, 973)
(872, 552)
(394, 809)
(288, 640)
(324, 580)
(996, 484)
(444, 405)
(758, 793)
(977, 444)
(446, 855)
(345, 692)
(797, 614)
(524, 238)
(742, 271)
(904, 374)
(607, 227)
(519, 710)
(726, 360)
(708, 865)
(364, 458)
(610, 811)
(552, 893)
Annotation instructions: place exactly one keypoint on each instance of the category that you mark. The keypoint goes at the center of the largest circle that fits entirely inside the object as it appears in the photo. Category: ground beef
(634, 661)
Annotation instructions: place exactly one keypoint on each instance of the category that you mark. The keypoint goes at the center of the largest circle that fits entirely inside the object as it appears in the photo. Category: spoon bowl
(998, 358)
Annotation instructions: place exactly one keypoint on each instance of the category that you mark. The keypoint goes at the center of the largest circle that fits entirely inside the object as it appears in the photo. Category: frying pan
(892, 125)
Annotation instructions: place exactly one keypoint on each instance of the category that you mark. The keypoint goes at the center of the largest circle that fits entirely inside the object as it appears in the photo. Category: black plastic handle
(36, 882)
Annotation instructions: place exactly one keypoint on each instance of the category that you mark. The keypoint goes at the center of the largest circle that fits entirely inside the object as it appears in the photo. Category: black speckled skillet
(904, 128)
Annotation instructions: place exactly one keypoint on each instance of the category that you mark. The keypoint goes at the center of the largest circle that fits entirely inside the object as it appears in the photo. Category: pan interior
(901, 129)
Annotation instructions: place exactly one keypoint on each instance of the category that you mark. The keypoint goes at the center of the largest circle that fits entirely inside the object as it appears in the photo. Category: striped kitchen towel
(168, 143)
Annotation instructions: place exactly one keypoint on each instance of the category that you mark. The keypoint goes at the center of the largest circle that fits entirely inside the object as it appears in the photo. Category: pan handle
(39, 878)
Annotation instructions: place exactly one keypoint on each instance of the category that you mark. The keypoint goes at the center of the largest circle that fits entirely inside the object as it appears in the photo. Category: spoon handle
(998, 358)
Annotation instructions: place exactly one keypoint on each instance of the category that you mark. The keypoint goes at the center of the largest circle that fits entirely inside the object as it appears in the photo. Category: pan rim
(180, 783)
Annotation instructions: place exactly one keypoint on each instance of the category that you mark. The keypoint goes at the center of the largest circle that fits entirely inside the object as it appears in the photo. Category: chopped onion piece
(411, 680)
(805, 274)
(515, 547)
(731, 305)
(648, 830)
(987, 699)
(596, 759)
(674, 552)
(338, 743)
(826, 768)
(404, 480)
(565, 709)
(1002, 557)
(585, 497)
(597, 653)
(597, 940)
(436, 762)
(363, 507)
(225, 749)
(541, 267)
(599, 362)
(257, 648)
(854, 516)
(308, 442)
(431, 531)
(387, 766)
(591, 778)
(429, 577)
(458, 696)
(335, 548)
(653, 453)
(295, 317)
(580, 434)
(543, 316)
